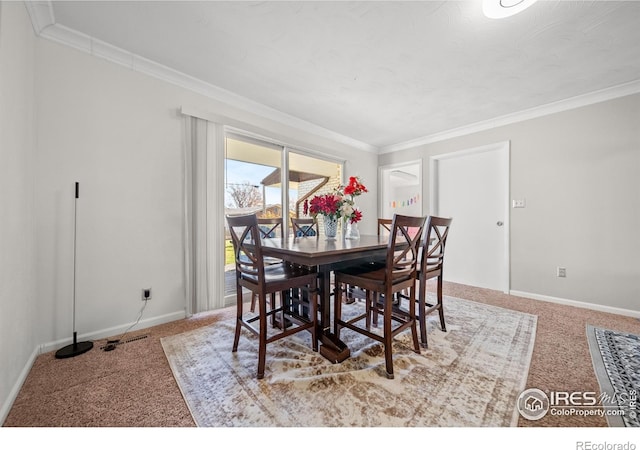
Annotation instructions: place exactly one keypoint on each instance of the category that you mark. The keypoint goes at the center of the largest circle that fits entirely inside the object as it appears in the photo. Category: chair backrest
(402, 261)
(304, 227)
(384, 226)
(270, 227)
(247, 247)
(433, 244)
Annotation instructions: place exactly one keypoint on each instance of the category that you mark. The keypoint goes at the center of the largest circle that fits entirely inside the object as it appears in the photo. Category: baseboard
(114, 331)
(578, 304)
(6, 407)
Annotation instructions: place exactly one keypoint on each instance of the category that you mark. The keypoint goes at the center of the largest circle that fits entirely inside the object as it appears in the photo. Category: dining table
(325, 256)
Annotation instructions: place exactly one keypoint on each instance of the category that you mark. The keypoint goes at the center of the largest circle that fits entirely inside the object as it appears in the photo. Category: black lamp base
(75, 349)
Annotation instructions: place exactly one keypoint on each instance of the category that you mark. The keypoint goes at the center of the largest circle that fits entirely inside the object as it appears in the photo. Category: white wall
(579, 172)
(119, 133)
(18, 301)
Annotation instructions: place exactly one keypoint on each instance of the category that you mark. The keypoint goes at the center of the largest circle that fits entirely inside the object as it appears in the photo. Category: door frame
(504, 149)
(382, 187)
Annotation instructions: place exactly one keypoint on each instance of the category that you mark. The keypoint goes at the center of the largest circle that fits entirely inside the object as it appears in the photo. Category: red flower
(354, 187)
(356, 216)
(338, 204)
(327, 205)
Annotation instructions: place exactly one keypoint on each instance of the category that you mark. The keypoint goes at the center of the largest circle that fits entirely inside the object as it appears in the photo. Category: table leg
(324, 279)
(331, 347)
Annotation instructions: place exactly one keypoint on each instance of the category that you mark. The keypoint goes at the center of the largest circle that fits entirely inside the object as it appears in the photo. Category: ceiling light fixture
(498, 9)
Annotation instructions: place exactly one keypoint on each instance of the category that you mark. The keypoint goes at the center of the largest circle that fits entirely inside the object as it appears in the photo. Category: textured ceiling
(381, 73)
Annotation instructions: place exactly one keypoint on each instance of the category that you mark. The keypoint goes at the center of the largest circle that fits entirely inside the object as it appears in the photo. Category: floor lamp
(77, 348)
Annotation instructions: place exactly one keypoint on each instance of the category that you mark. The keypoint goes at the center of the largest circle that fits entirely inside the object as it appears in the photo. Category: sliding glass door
(272, 181)
(309, 176)
(253, 178)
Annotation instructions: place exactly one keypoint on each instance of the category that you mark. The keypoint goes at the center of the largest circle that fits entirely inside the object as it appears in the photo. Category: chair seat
(269, 260)
(361, 274)
(279, 272)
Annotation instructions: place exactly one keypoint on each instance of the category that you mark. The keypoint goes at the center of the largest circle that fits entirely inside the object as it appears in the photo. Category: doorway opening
(400, 189)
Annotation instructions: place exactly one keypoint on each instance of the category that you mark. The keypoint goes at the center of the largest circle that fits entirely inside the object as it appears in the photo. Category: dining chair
(304, 227)
(384, 226)
(268, 227)
(271, 226)
(431, 266)
(277, 280)
(384, 229)
(380, 285)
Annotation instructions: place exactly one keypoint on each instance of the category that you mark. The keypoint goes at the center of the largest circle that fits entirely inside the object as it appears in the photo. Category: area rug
(616, 361)
(469, 376)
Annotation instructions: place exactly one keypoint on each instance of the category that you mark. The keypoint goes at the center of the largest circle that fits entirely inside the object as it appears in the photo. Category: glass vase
(352, 231)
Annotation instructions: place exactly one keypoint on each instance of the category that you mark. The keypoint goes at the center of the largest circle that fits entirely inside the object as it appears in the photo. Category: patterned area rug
(470, 376)
(616, 361)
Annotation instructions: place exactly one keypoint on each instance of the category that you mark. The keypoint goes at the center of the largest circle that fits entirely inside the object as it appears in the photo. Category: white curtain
(204, 213)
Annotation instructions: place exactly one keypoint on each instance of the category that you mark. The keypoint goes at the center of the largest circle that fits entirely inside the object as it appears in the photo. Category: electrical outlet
(519, 203)
(562, 272)
(146, 294)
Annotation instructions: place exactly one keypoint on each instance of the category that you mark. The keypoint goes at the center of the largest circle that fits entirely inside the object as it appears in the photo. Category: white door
(472, 187)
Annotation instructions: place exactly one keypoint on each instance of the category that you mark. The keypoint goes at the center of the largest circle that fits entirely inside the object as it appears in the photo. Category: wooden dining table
(326, 256)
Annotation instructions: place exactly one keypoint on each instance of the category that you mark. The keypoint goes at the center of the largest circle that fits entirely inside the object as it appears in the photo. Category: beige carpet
(470, 376)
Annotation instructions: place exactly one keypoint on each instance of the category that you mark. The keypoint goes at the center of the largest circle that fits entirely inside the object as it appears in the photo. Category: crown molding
(41, 13)
(602, 95)
(43, 20)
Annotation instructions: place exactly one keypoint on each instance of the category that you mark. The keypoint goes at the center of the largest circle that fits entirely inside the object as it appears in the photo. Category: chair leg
(272, 303)
(337, 308)
(313, 306)
(348, 295)
(253, 302)
(368, 309)
(262, 342)
(284, 303)
(412, 317)
(422, 307)
(440, 306)
(387, 336)
(375, 300)
(238, 318)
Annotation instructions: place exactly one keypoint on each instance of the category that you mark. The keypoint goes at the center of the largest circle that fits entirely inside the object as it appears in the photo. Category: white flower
(346, 209)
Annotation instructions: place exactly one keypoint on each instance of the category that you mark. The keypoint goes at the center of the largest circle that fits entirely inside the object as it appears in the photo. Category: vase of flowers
(339, 204)
(330, 227)
(353, 189)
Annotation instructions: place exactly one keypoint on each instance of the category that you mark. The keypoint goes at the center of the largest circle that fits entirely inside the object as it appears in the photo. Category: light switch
(518, 203)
